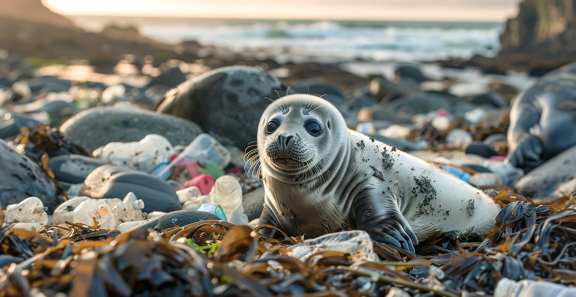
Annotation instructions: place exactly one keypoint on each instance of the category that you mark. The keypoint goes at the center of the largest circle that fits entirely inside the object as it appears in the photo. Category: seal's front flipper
(380, 217)
(528, 153)
(266, 218)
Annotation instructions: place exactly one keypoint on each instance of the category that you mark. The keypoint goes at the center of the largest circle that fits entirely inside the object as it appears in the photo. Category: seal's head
(297, 135)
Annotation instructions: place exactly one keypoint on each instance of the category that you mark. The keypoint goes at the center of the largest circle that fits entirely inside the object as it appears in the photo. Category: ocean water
(379, 41)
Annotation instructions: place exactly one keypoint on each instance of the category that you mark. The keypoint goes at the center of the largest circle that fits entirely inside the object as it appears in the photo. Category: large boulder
(227, 102)
(409, 72)
(21, 178)
(96, 127)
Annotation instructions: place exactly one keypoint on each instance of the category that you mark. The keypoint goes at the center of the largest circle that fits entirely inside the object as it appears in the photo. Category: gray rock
(490, 98)
(358, 97)
(400, 111)
(402, 145)
(176, 218)
(386, 91)
(73, 169)
(170, 78)
(21, 178)
(253, 203)
(227, 102)
(10, 124)
(5, 83)
(99, 126)
(116, 182)
(552, 179)
(419, 103)
(54, 108)
(495, 138)
(481, 149)
(325, 90)
(411, 72)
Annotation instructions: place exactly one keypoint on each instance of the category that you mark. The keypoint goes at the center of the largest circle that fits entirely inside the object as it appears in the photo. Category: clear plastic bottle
(65, 211)
(130, 209)
(30, 210)
(228, 194)
(196, 202)
(98, 209)
(203, 148)
(144, 155)
(531, 288)
(188, 194)
(357, 243)
(215, 209)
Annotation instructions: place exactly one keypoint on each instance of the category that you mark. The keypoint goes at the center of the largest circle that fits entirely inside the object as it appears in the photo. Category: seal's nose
(285, 139)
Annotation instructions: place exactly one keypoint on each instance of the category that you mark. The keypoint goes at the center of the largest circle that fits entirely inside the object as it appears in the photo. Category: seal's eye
(272, 126)
(313, 128)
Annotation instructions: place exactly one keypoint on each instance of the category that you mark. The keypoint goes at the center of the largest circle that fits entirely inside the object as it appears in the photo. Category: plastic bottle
(97, 209)
(485, 179)
(195, 203)
(459, 173)
(366, 128)
(506, 171)
(161, 169)
(441, 120)
(74, 190)
(458, 138)
(228, 194)
(204, 182)
(203, 148)
(213, 208)
(357, 243)
(130, 209)
(65, 211)
(30, 210)
(188, 194)
(144, 155)
(531, 288)
(396, 132)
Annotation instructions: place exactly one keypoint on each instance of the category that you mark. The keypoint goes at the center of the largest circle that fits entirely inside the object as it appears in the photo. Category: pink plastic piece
(498, 158)
(192, 168)
(204, 182)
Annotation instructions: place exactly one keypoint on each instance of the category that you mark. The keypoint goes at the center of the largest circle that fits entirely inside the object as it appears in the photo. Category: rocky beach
(129, 164)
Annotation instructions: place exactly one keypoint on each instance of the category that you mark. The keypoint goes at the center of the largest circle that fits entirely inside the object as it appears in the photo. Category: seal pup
(320, 177)
(542, 119)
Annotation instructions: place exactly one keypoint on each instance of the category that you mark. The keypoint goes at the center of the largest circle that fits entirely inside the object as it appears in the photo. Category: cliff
(541, 38)
(29, 29)
(32, 10)
(543, 28)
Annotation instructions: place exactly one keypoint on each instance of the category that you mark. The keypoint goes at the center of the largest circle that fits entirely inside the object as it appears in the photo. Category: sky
(447, 10)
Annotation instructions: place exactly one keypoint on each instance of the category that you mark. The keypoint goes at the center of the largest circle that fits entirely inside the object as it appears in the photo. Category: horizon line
(260, 18)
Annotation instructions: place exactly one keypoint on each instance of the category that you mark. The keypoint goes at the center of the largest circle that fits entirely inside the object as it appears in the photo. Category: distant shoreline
(120, 19)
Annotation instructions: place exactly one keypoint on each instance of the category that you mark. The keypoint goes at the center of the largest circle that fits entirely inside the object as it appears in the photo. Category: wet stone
(73, 169)
(176, 218)
(21, 178)
(99, 126)
(116, 182)
(223, 98)
(10, 124)
(253, 203)
(411, 72)
(169, 78)
(481, 149)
